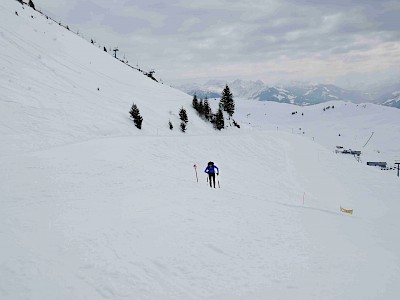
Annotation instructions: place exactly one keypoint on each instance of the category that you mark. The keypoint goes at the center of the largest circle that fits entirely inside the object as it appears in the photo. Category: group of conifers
(203, 108)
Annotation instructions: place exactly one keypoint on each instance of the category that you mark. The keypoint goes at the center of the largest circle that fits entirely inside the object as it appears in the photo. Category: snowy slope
(347, 124)
(49, 80)
(125, 218)
(92, 208)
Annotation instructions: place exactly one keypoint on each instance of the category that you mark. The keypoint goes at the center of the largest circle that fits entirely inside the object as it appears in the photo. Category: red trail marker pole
(195, 170)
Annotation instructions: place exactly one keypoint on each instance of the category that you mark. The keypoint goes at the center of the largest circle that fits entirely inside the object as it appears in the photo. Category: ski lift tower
(398, 167)
(115, 52)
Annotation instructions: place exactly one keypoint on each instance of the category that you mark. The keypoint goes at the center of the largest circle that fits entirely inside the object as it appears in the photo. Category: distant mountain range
(393, 99)
(388, 95)
(298, 94)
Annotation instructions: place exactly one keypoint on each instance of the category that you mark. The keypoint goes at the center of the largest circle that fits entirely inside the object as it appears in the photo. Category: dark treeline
(226, 104)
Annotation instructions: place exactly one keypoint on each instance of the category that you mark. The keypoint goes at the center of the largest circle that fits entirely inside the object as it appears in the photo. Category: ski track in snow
(122, 226)
(92, 208)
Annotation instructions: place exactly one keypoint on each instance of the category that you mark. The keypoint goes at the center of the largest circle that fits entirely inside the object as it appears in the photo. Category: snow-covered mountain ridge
(298, 94)
(93, 208)
(392, 100)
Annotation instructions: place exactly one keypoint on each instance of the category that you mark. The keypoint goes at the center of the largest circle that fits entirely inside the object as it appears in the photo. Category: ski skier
(210, 170)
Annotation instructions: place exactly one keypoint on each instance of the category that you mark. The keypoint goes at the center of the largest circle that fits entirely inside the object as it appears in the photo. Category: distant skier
(210, 170)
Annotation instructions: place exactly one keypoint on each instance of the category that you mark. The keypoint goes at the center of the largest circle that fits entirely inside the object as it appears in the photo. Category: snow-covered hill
(93, 208)
(57, 88)
(344, 124)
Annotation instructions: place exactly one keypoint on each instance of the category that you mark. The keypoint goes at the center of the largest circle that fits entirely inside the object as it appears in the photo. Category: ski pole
(195, 170)
(218, 182)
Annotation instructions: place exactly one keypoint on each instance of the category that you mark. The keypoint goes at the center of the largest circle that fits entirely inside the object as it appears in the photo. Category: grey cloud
(85, 11)
(183, 35)
(388, 21)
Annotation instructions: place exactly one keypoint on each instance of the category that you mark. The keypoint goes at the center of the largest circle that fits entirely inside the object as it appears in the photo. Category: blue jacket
(211, 169)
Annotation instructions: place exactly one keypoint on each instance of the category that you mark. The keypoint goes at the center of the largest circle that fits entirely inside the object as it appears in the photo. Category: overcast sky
(346, 42)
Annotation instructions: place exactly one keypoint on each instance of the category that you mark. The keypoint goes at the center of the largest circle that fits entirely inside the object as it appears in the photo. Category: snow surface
(354, 122)
(93, 208)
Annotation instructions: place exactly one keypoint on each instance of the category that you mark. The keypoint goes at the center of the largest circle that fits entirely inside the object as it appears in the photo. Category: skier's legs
(213, 176)
(209, 178)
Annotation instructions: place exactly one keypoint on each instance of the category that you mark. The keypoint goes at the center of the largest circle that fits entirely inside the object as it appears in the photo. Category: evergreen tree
(30, 3)
(195, 103)
(224, 97)
(183, 126)
(226, 103)
(201, 108)
(183, 115)
(170, 125)
(135, 114)
(207, 109)
(230, 107)
(219, 120)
